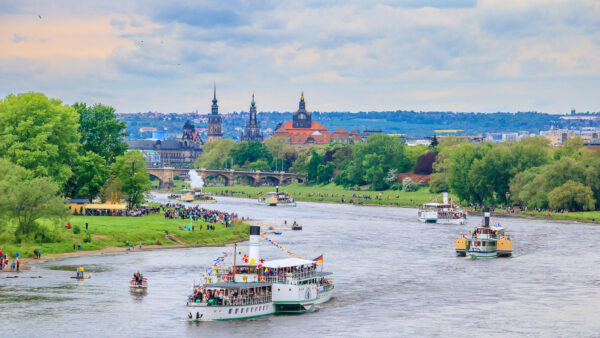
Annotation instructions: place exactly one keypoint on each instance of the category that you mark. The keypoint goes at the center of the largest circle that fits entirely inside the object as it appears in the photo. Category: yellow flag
(252, 261)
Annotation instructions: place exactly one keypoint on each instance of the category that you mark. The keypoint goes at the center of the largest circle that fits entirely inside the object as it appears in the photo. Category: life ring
(262, 279)
(225, 278)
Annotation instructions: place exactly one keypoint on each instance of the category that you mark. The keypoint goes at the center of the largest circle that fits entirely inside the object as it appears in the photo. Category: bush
(76, 229)
(408, 185)
(396, 186)
(424, 164)
(438, 184)
(158, 242)
(572, 196)
(87, 238)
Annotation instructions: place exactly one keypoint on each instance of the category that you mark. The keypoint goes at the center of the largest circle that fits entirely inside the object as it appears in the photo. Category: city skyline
(466, 56)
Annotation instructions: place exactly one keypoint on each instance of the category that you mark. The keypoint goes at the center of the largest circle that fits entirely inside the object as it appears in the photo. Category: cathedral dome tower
(302, 118)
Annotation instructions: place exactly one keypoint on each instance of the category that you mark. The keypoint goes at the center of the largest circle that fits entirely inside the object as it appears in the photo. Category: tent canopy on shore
(106, 206)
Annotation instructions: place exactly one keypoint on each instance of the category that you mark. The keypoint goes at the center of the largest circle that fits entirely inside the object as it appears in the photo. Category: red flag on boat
(319, 259)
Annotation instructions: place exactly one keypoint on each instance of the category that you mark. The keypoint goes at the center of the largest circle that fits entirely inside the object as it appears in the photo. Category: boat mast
(234, 257)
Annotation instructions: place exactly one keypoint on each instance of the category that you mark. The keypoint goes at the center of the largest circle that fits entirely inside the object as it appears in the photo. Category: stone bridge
(166, 176)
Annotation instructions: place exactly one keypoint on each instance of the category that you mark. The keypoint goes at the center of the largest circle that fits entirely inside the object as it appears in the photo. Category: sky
(422, 55)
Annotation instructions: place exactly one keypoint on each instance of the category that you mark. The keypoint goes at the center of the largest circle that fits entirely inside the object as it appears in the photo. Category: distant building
(159, 135)
(214, 120)
(145, 129)
(252, 132)
(180, 153)
(368, 132)
(302, 130)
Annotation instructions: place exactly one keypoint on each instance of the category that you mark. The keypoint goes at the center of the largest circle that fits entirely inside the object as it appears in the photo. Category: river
(394, 276)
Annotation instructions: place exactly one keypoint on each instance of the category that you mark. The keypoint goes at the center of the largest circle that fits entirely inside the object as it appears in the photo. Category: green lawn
(332, 193)
(584, 216)
(114, 231)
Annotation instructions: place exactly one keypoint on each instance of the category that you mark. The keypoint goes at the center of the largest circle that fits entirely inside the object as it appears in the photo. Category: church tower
(214, 120)
(302, 118)
(252, 132)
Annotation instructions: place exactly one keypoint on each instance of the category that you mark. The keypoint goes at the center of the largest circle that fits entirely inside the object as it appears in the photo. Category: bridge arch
(211, 176)
(248, 177)
(154, 177)
(269, 180)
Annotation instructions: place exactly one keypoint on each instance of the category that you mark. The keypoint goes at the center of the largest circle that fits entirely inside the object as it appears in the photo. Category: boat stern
(504, 248)
(461, 247)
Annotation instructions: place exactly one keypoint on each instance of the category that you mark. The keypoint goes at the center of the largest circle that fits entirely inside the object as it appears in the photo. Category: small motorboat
(137, 286)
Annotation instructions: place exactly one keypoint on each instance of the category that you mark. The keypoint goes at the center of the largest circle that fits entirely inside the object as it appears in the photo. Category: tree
(437, 183)
(408, 185)
(313, 166)
(27, 198)
(434, 143)
(244, 153)
(424, 164)
(100, 130)
(215, 154)
(391, 178)
(113, 188)
(91, 173)
(325, 173)
(39, 134)
(131, 170)
(572, 196)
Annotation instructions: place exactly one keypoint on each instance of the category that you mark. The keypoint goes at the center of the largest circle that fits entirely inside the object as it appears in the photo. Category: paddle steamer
(289, 285)
(485, 241)
(443, 213)
(277, 199)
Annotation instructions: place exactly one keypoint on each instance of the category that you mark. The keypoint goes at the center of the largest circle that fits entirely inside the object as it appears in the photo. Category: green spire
(252, 103)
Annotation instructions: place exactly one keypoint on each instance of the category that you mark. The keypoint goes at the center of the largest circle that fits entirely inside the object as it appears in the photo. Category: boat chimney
(486, 217)
(253, 251)
(445, 198)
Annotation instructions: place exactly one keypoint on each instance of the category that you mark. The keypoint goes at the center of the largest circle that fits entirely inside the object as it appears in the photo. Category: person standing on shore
(86, 225)
(18, 265)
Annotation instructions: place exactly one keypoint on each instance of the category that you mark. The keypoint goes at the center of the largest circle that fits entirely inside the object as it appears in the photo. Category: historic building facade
(252, 132)
(214, 120)
(180, 153)
(303, 131)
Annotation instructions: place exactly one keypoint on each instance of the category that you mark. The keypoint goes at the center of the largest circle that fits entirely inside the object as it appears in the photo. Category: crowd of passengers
(179, 211)
(228, 296)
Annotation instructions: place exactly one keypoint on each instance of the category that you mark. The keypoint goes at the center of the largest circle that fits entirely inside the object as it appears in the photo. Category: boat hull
(202, 312)
(325, 296)
(458, 221)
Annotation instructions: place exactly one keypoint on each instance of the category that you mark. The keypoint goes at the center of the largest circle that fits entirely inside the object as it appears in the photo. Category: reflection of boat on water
(443, 213)
(277, 199)
(81, 277)
(259, 288)
(485, 241)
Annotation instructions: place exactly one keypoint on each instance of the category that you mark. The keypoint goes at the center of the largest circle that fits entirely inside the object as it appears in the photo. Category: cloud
(354, 55)
(19, 38)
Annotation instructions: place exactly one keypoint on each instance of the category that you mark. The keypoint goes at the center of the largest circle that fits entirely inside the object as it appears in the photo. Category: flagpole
(234, 257)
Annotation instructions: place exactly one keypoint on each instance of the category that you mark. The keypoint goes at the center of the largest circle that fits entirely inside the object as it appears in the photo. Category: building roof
(287, 262)
(316, 133)
(340, 133)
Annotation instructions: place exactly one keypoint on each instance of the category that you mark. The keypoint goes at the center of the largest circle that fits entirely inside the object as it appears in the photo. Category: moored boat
(485, 241)
(443, 213)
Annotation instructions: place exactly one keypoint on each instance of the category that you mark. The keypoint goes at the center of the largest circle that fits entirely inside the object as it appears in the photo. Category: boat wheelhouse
(199, 196)
(485, 241)
(277, 198)
(443, 213)
(186, 196)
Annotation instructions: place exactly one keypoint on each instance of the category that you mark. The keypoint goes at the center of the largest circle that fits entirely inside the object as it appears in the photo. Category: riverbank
(581, 216)
(113, 232)
(333, 194)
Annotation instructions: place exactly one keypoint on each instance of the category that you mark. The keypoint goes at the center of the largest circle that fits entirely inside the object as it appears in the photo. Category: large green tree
(91, 173)
(100, 130)
(572, 196)
(244, 153)
(26, 198)
(130, 169)
(39, 134)
(215, 154)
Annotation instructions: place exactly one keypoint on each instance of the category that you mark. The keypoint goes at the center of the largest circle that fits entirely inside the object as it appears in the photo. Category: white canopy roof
(287, 262)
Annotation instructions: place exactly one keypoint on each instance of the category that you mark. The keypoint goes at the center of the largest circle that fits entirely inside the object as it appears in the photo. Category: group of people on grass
(15, 265)
(178, 211)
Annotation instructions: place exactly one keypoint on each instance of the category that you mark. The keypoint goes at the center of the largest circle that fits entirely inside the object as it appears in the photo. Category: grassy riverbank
(108, 231)
(332, 193)
(582, 216)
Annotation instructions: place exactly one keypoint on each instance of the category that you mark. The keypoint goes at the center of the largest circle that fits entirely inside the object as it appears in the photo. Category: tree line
(49, 150)
(527, 173)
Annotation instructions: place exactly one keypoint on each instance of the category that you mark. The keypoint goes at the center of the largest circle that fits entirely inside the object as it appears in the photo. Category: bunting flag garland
(218, 261)
(278, 246)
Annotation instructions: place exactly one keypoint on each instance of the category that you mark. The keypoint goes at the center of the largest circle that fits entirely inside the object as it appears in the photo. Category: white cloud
(448, 55)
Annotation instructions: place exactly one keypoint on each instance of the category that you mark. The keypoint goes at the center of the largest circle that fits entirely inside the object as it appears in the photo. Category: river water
(394, 277)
